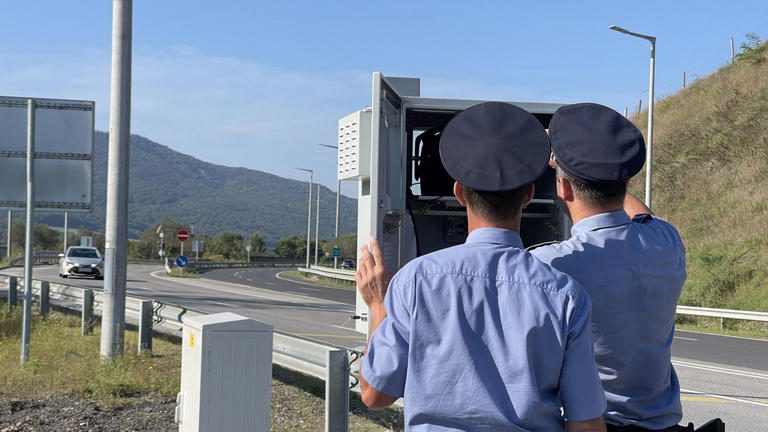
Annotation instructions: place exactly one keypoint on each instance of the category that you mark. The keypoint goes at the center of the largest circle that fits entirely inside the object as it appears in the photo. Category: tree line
(227, 246)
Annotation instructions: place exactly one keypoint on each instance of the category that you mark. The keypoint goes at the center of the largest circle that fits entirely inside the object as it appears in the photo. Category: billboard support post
(29, 235)
(116, 230)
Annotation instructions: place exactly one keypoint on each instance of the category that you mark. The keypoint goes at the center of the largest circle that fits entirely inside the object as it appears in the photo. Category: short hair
(497, 206)
(597, 193)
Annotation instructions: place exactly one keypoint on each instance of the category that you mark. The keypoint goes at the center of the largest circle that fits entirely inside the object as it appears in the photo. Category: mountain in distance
(212, 198)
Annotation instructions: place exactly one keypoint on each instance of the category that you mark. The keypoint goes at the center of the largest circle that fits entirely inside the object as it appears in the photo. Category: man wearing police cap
(631, 263)
(483, 336)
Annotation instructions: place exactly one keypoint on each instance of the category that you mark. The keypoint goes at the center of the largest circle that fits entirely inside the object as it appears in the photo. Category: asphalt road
(297, 308)
(720, 376)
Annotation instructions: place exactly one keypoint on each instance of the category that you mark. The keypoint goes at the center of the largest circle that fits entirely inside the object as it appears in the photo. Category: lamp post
(649, 147)
(338, 196)
(317, 223)
(161, 235)
(309, 210)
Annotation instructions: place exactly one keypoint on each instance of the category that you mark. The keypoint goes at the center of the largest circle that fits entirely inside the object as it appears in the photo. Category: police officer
(631, 262)
(483, 336)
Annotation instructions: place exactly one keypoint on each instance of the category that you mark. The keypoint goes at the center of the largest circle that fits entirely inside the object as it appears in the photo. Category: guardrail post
(13, 293)
(87, 315)
(145, 326)
(45, 292)
(337, 391)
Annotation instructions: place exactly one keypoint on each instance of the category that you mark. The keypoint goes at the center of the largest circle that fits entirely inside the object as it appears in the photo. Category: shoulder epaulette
(642, 218)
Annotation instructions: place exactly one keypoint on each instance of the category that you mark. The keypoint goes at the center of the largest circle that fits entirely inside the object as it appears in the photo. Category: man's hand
(371, 276)
(372, 282)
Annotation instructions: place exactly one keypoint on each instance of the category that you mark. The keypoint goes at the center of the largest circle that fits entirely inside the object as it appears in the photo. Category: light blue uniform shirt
(634, 272)
(484, 337)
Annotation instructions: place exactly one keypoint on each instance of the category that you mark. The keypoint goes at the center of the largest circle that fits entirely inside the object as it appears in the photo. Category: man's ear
(529, 191)
(458, 190)
(565, 188)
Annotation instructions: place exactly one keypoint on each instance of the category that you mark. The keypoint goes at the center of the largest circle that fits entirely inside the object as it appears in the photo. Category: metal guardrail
(325, 362)
(255, 262)
(328, 272)
(40, 258)
(723, 313)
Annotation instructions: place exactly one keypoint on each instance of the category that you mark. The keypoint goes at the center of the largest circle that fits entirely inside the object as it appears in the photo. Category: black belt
(715, 425)
(633, 428)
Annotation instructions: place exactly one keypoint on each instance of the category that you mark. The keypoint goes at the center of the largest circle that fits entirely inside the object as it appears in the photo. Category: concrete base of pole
(145, 327)
(13, 293)
(87, 317)
(45, 293)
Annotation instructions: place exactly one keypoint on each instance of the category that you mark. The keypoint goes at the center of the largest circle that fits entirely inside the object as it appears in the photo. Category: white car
(81, 261)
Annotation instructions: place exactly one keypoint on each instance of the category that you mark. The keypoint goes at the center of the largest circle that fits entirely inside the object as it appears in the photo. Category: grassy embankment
(63, 362)
(711, 182)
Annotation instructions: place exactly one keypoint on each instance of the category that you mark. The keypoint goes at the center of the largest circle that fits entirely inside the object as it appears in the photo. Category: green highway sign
(337, 251)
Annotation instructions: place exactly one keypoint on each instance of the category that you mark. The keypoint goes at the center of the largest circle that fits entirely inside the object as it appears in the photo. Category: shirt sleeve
(581, 391)
(386, 363)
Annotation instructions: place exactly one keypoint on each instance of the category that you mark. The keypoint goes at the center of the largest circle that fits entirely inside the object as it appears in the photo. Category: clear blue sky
(260, 83)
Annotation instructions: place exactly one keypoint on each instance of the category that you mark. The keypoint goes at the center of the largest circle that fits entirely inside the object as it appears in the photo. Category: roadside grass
(179, 273)
(326, 282)
(65, 363)
(711, 182)
(728, 327)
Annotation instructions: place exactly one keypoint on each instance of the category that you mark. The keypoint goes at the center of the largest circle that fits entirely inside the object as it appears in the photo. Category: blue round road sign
(182, 261)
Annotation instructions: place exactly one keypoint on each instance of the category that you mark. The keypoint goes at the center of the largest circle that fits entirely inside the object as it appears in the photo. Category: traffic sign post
(248, 249)
(181, 262)
(182, 235)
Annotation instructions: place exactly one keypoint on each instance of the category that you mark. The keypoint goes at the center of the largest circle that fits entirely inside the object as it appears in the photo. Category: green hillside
(213, 198)
(711, 181)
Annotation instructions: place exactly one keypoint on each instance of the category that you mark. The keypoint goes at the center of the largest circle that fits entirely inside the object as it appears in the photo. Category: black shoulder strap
(642, 218)
(538, 245)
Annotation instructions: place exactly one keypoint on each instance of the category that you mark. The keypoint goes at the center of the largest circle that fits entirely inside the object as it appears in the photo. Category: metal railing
(39, 258)
(326, 362)
(346, 275)
(255, 262)
(723, 313)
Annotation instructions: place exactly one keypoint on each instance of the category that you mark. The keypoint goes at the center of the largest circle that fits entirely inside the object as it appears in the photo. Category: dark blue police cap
(494, 146)
(594, 143)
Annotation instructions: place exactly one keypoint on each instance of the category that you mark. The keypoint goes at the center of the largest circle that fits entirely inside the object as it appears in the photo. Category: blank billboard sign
(63, 154)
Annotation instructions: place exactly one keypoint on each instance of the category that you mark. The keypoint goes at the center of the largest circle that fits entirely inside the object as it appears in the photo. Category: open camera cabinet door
(411, 216)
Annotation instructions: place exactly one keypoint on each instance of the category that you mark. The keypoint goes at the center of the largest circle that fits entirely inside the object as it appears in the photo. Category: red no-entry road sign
(182, 235)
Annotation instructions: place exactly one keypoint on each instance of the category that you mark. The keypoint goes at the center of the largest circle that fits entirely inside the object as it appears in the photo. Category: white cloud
(226, 110)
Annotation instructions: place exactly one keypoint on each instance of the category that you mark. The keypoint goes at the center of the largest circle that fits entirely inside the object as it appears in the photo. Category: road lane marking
(727, 336)
(701, 398)
(348, 329)
(248, 290)
(728, 398)
(723, 370)
(328, 335)
(249, 280)
(685, 338)
(270, 283)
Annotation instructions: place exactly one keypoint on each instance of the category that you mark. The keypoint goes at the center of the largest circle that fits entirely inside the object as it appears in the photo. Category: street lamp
(338, 195)
(317, 223)
(649, 147)
(161, 234)
(309, 210)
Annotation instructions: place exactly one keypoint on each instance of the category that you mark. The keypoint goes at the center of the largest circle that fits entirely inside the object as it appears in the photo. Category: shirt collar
(495, 235)
(600, 221)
